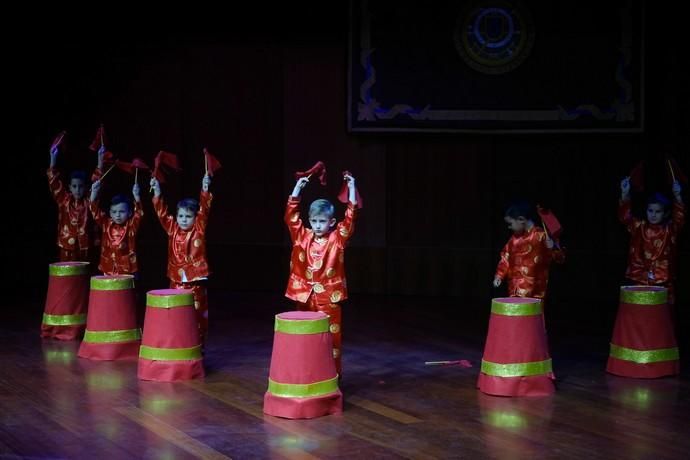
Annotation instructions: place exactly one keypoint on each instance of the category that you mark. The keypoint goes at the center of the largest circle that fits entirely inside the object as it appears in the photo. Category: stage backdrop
(497, 66)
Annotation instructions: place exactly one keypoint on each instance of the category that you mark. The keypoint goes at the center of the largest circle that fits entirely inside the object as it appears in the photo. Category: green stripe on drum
(516, 369)
(68, 269)
(644, 356)
(516, 309)
(119, 283)
(644, 295)
(303, 390)
(64, 320)
(127, 335)
(170, 354)
(170, 301)
(301, 327)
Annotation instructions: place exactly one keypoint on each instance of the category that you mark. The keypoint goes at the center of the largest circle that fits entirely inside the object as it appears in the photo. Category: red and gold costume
(652, 253)
(525, 261)
(73, 216)
(317, 268)
(118, 242)
(187, 262)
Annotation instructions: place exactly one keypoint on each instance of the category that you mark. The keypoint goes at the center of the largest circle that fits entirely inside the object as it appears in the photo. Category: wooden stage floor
(54, 405)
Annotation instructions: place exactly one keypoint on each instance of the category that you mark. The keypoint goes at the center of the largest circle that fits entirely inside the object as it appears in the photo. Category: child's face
(76, 188)
(185, 218)
(518, 225)
(655, 213)
(120, 213)
(321, 224)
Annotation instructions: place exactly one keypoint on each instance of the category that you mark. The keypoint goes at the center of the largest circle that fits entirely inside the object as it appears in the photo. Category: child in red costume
(653, 241)
(525, 259)
(317, 263)
(118, 240)
(187, 263)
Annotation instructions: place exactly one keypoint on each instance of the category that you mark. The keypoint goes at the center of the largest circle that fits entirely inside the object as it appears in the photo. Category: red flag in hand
(138, 164)
(164, 159)
(98, 139)
(124, 166)
(344, 194)
(319, 168)
(637, 177)
(550, 222)
(212, 163)
(58, 140)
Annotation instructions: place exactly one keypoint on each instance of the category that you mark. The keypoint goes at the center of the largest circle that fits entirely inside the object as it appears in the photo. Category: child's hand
(136, 192)
(676, 188)
(625, 187)
(95, 188)
(205, 183)
(299, 185)
(497, 281)
(350, 181)
(101, 152)
(155, 186)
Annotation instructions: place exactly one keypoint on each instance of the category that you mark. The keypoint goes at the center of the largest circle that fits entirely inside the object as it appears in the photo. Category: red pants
(334, 320)
(198, 289)
(74, 255)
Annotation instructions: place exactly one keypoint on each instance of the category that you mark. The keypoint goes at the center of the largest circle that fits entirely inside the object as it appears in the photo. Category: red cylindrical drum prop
(302, 381)
(644, 343)
(516, 359)
(111, 328)
(64, 316)
(170, 346)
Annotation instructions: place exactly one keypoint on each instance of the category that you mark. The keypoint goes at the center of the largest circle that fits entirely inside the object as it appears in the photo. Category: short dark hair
(81, 175)
(321, 207)
(188, 203)
(659, 198)
(521, 208)
(119, 199)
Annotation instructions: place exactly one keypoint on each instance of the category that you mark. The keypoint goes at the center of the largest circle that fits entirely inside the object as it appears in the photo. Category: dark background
(265, 90)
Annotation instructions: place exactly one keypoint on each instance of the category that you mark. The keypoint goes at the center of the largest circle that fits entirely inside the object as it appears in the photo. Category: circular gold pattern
(334, 328)
(522, 292)
(647, 255)
(658, 243)
(295, 217)
(536, 259)
(308, 274)
(71, 241)
(81, 231)
(343, 232)
(196, 304)
(336, 296)
(317, 263)
(330, 272)
(302, 256)
(525, 270)
(180, 272)
(197, 243)
(336, 352)
(296, 284)
(318, 288)
(133, 258)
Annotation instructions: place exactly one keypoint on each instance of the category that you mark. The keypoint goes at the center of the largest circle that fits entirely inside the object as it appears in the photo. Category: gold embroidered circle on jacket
(71, 241)
(308, 274)
(296, 284)
(302, 256)
(330, 272)
(343, 232)
(197, 243)
(334, 328)
(318, 288)
(318, 264)
(336, 296)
